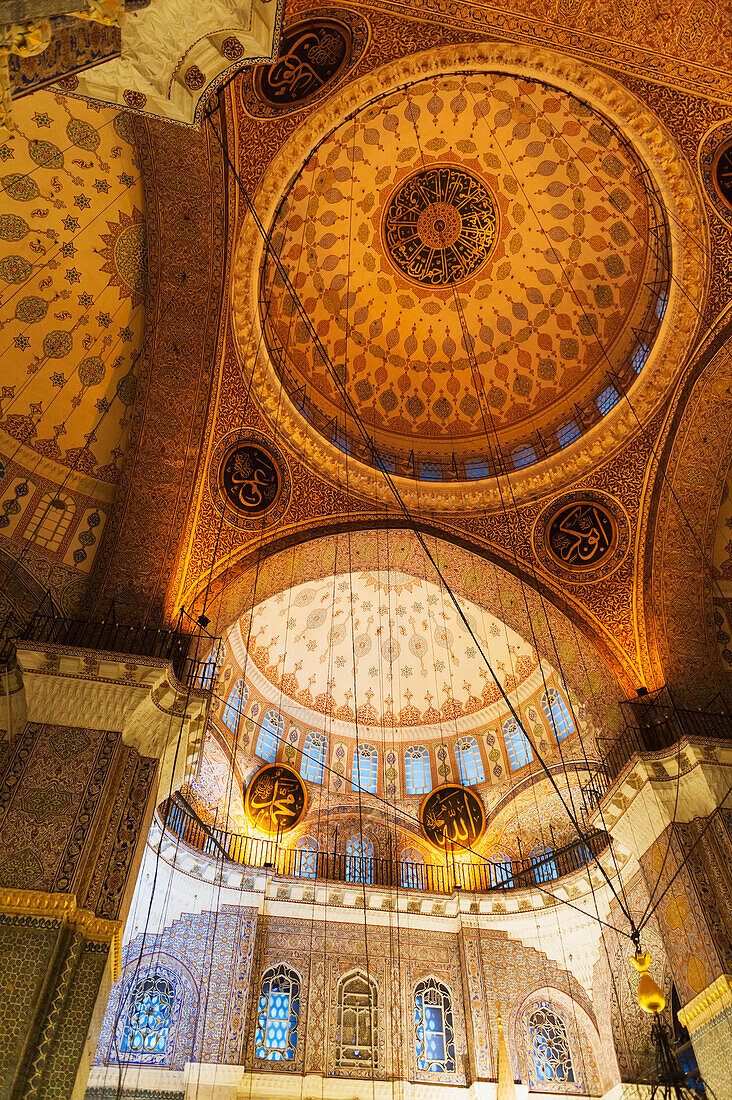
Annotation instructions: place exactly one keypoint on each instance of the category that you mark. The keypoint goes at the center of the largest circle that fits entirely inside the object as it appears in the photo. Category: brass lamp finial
(650, 996)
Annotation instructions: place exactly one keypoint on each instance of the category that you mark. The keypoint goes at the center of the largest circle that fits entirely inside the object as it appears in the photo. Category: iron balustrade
(436, 878)
(663, 729)
(128, 641)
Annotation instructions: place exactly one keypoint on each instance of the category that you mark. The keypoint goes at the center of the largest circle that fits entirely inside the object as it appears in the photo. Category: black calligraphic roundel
(452, 817)
(723, 173)
(250, 479)
(275, 799)
(582, 535)
(312, 54)
(440, 226)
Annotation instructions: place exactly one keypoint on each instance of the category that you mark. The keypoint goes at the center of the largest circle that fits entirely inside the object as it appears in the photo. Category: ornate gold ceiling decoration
(715, 168)
(598, 93)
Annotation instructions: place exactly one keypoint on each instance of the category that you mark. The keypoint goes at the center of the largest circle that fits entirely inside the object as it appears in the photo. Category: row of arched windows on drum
(278, 1025)
(417, 766)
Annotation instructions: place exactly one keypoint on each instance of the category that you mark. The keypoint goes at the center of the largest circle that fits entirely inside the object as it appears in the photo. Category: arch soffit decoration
(579, 1020)
(674, 180)
(590, 670)
(690, 474)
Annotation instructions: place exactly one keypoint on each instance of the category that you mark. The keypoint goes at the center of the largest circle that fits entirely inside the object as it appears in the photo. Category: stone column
(105, 740)
(671, 810)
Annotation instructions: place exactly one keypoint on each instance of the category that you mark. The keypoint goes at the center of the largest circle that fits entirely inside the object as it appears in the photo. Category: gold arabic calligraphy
(440, 226)
(582, 535)
(311, 55)
(452, 815)
(275, 799)
(250, 479)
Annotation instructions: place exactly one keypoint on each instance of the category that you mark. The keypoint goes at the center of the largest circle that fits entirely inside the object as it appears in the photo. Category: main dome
(473, 252)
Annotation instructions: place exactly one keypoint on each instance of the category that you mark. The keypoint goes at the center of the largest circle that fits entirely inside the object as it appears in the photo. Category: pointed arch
(278, 1014)
(434, 1030)
(232, 712)
(357, 1035)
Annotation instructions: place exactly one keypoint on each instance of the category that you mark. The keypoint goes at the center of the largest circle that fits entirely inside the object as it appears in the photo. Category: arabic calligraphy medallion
(582, 536)
(249, 479)
(313, 53)
(276, 799)
(440, 226)
(452, 817)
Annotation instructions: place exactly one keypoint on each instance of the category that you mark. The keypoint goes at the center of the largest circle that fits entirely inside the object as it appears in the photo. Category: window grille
(639, 357)
(470, 765)
(523, 456)
(312, 765)
(417, 770)
(568, 433)
(517, 745)
(552, 1056)
(357, 1029)
(365, 765)
(359, 859)
(210, 668)
(51, 520)
(430, 471)
(149, 1016)
(235, 705)
(270, 735)
(305, 864)
(412, 870)
(434, 1034)
(278, 1015)
(556, 711)
(499, 872)
(545, 868)
(607, 400)
(477, 469)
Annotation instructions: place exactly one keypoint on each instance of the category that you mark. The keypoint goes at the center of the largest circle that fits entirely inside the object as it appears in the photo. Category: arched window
(359, 859)
(357, 1030)
(417, 770)
(607, 400)
(365, 764)
(278, 1015)
(517, 744)
(270, 735)
(470, 765)
(552, 1056)
(149, 1016)
(544, 864)
(499, 872)
(412, 870)
(51, 520)
(305, 863)
(235, 705)
(556, 711)
(568, 433)
(209, 669)
(434, 1033)
(312, 765)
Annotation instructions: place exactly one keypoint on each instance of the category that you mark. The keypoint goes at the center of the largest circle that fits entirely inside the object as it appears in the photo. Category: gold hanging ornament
(650, 996)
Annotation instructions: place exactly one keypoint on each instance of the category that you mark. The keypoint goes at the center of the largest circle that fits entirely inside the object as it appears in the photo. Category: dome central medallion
(440, 226)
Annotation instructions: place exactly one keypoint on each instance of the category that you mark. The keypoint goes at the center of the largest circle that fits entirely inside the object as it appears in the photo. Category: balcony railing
(661, 729)
(128, 641)
(436, 878)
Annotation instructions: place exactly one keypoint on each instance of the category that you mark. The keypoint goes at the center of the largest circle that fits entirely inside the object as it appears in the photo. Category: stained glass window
(556, 711)
(306, 859)
(545, 868)
(314, 750)
(235, 705)
(365, 765)
(278, 1014)
(568, 433)
(417, 770)
(523, 456)
(357, 1034)
(607, 399)
(552, 1057)
(359, 859)
(270, 735)
(149, 1016)
(477, 469)
(412, 870)
(517, 744)
(434, 1033)
(470, 765)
